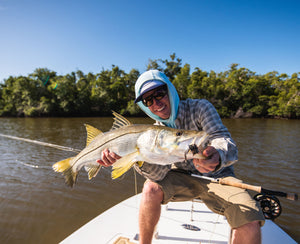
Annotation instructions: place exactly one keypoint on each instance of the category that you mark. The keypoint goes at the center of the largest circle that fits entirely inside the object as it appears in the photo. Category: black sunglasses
(158, 95)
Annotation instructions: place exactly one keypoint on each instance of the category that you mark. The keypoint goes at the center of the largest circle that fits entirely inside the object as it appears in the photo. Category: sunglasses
(157, 95)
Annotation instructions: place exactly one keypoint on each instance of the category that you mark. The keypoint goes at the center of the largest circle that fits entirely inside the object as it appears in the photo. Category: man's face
(159, 102)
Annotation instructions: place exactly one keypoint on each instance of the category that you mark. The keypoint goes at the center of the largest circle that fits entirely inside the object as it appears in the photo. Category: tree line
(237, 92)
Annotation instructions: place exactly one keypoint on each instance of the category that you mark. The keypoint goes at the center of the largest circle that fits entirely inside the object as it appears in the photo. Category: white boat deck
(180, 222)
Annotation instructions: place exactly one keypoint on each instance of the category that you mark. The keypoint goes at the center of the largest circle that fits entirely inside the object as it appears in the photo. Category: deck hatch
(191, 227)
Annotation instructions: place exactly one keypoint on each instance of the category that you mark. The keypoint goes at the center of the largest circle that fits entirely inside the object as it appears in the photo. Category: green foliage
(285, 101)
(182, 81)
(44, 93)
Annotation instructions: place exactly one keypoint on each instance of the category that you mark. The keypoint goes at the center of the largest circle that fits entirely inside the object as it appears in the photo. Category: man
(158, 98)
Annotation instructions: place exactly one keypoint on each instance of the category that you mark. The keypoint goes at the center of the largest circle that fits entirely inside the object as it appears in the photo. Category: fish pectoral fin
(92, 170)
(124, 164)
(91, 132)
(65, 168)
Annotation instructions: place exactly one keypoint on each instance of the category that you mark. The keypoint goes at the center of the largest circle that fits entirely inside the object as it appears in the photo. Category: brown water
(37, 207)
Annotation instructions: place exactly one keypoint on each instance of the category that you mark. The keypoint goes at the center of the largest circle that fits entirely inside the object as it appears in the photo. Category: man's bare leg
(149, 213)
(248, 233)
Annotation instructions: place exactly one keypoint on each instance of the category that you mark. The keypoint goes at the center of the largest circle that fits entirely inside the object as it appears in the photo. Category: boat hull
(180, 222)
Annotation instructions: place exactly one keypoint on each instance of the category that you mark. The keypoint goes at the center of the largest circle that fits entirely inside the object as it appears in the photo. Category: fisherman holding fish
(158, 98)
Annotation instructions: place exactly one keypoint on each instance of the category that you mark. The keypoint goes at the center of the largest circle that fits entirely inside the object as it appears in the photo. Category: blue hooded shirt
(173, 96)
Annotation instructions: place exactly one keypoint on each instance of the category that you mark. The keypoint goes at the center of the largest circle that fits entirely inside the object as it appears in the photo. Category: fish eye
(179, 133)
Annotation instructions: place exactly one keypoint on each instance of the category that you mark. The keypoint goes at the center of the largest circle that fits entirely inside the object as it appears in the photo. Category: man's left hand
(210, 163)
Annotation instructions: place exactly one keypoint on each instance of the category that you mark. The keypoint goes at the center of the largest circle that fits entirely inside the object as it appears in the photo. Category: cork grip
(240, 185)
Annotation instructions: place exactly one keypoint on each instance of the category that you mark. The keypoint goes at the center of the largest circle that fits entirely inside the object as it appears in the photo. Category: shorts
(234, 203)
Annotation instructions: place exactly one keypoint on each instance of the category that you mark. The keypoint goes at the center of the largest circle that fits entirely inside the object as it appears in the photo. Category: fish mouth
(196, 148)
(192, 148)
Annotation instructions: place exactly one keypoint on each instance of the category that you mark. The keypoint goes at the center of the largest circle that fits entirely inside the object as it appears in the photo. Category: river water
(37, 207)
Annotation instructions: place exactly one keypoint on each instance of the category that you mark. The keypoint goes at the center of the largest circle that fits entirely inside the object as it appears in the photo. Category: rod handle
(240, 185)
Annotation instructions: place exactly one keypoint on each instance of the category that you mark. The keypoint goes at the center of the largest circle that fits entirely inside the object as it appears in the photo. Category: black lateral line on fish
(106, 142)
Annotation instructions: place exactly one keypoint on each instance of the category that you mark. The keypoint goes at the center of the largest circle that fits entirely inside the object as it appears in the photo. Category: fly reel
(270, 205)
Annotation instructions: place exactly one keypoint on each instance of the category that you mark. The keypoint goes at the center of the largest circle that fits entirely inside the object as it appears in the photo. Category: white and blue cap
(149, 86)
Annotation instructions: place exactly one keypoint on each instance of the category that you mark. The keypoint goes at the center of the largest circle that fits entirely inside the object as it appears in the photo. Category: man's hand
(108, 158)
(209, 164)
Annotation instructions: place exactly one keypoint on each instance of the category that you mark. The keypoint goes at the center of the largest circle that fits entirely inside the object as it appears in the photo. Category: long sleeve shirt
(201, 115)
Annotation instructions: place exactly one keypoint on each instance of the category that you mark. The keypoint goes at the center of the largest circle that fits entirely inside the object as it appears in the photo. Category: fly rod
(42, 143)
(259, 189)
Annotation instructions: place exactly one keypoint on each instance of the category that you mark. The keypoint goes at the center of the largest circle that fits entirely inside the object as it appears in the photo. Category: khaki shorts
(235, 203)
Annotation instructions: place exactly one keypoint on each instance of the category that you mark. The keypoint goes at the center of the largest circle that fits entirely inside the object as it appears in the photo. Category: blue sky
(66, 36)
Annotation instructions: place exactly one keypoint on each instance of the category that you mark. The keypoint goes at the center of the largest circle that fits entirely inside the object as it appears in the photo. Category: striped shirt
(201, 115)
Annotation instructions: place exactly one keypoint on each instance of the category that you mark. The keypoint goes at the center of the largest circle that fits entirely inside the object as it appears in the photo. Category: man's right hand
(210, 163)
(108, 158)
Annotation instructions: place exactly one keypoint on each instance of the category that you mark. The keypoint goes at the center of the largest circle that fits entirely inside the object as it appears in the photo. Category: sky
(69, 35)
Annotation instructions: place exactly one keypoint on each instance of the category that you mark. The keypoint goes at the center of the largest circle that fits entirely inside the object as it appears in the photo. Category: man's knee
(247, 233)
(255, 225)
(153, 191)
(251, 227)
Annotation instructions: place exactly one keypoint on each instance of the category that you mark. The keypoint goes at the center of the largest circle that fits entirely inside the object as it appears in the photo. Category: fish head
(175, 142)
(182, 142)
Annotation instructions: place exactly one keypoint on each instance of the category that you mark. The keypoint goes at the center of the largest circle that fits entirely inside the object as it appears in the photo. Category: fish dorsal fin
(119, 121)
(91, 133)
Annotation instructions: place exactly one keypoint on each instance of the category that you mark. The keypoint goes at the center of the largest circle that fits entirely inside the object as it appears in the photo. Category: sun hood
(173, 96)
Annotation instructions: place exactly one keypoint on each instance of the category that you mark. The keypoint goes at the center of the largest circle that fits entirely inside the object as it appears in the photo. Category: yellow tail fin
(124, 164)
(65, 168)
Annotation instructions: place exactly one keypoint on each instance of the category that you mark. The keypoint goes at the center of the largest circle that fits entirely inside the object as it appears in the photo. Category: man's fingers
(114, 156)
(209, 151)
(99, 161)
(209, 164)
(108, 158)
(204, 168)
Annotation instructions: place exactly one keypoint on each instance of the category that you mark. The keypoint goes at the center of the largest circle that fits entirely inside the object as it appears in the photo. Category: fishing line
(42, 143)
(69, 149)
(23, 193)
(33, 166)
(220, 213)
(135, 181)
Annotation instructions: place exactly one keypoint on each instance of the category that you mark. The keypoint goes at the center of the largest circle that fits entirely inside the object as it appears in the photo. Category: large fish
(135, 143)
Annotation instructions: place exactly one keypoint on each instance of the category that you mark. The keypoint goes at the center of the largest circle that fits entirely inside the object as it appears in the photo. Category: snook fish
(135, 143)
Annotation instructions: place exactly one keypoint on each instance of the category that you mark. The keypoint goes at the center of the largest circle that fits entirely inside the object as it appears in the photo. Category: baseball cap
(148, 86)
